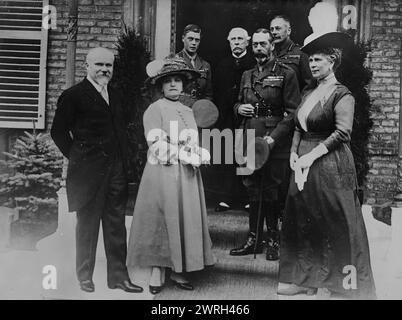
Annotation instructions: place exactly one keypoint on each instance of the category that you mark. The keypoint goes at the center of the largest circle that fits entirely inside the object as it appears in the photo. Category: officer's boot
(249, 245)
(272, 253)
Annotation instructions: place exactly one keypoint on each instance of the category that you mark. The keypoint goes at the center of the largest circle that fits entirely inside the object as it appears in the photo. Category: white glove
(204, 154)
(308, 159)
(188, 156)
(194, 155)
(300, 176)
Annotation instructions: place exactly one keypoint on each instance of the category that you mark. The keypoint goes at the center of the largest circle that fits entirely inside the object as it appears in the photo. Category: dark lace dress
(323, 238)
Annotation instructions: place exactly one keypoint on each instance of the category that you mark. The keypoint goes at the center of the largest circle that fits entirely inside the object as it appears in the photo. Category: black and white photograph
(211, 152)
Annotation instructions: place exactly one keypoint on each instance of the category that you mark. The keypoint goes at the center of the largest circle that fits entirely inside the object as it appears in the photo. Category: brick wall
(385, 61)
(99, 23)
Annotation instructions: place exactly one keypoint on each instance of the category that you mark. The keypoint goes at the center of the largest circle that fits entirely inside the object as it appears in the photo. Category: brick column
(385, 91)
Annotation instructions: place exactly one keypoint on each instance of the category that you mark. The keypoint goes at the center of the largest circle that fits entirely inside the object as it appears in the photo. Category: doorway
(217, 17)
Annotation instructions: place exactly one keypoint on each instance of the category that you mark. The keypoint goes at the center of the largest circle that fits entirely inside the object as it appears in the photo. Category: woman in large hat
(169, 227)
(324, 244)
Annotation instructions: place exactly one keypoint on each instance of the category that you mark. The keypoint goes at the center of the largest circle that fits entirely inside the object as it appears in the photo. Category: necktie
(104, 94)
(193, 63)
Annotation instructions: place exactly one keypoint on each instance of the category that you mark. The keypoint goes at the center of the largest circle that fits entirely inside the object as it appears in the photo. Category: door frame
(156, 20)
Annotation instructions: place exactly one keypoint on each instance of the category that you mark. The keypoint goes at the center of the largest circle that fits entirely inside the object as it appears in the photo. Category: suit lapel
(112, 100)
(90, 90)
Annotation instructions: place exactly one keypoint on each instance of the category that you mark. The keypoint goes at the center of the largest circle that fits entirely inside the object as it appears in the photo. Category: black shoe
(221, 207)
(87, 286)
(272, 250)
(247, 248)
(183, 285)
(127, 286)
(155, 289)
(292, 290)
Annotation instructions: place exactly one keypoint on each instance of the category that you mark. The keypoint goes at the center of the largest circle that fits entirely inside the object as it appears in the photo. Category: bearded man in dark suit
(89, 129)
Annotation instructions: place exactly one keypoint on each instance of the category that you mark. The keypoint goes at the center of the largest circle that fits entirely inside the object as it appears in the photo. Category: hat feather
(154, 67)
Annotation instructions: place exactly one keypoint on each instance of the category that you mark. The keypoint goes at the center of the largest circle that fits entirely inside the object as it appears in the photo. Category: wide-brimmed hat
(159, 69)
(317, 41)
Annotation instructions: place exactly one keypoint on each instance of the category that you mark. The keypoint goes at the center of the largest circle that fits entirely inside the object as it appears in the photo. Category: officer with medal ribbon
(288, 52)
(269, 94)
(202, 87)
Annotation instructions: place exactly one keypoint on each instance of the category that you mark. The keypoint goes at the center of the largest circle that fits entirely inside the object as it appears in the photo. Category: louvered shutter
(23, 52)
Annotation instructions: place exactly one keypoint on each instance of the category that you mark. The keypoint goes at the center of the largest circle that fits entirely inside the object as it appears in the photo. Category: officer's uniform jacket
(290, 54)
(202, 88)
(278, 86)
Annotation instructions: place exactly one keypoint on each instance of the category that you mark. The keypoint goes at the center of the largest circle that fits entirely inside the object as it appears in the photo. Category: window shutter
(23, 53)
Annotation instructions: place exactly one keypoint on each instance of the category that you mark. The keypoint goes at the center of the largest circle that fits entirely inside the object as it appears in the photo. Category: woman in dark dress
(323, 240)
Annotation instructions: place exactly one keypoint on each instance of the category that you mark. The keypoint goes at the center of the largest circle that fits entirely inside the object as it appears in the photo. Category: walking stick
(257, 235)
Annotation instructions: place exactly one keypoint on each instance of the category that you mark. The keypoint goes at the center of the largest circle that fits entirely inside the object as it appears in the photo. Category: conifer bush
(33, 177)
(129, 77)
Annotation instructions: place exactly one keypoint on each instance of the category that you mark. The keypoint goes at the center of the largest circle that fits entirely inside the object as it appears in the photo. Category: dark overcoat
(227, 76)
(90, 133)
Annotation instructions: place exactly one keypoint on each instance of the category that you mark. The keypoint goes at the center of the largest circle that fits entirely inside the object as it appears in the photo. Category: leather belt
(265, 111)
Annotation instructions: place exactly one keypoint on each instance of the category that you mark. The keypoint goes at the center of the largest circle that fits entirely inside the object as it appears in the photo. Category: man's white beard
(102, 80)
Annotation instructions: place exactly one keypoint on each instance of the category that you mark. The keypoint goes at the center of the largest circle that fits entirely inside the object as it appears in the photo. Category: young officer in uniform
(202, 88)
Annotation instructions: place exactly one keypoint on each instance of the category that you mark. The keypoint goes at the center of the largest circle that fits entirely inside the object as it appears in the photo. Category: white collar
(329, 79)
(241, 56)
(97, 86)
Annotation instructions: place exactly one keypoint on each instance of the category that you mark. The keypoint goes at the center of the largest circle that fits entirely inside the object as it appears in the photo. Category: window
(23, 52)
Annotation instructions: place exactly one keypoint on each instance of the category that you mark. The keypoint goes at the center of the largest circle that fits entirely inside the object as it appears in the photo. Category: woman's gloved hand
(194, 155)
(308, 159)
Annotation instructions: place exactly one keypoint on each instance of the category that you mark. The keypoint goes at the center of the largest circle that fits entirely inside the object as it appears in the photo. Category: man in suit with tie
(202, 88)
(89, 129)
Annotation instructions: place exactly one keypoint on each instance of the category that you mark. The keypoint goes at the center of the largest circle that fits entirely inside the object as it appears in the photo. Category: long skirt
(170, 227)
(323, 239)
